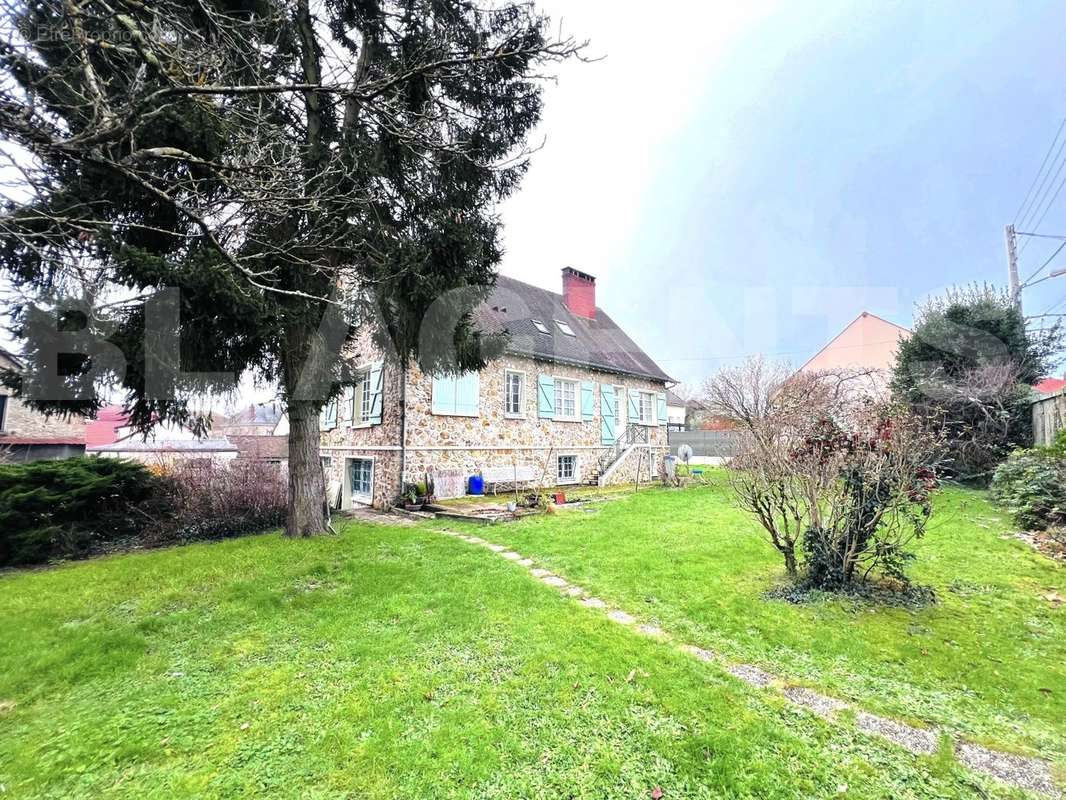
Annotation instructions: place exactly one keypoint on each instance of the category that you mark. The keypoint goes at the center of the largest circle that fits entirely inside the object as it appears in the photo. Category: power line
(1044, 187)
(1044, 265)
(1039, 171)
(1054, 197)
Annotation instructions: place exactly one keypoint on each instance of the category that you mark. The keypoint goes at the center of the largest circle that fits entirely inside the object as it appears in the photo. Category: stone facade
(406, 447)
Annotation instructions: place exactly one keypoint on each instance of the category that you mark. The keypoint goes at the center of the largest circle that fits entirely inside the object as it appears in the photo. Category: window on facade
(515, 392)
(361, 477)
(456, 395)
(565, 328)
(327, 464)
(567, 469)
(540, 326)
(365, 395)
(647, 408)
(3, 411)
(565, 399)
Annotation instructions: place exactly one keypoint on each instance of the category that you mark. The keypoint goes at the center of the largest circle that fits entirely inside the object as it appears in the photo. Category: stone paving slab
(917, 740)
(820, 704)
(1028, 773)
(1032, 774)
(750, 674)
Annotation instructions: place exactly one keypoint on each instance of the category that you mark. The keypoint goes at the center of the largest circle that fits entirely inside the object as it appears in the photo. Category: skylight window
(565, 328)
(540, 326)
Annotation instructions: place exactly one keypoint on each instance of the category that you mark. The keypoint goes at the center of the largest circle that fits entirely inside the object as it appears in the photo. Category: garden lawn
(398, 663)
(987, 661)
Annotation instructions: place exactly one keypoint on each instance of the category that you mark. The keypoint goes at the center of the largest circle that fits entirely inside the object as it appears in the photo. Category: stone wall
(21, 421)
(490, 439)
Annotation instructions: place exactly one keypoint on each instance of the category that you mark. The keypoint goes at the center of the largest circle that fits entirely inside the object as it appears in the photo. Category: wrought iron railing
(633, 434)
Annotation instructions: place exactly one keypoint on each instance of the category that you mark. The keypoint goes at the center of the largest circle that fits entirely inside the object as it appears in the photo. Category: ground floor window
(567, 469)
(327, 465)
(361, 478)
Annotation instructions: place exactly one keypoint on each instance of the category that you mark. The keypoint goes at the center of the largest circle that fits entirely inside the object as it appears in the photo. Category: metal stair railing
(633, 434)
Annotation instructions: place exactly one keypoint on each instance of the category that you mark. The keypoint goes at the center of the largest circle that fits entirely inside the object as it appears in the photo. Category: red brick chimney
(579, 293)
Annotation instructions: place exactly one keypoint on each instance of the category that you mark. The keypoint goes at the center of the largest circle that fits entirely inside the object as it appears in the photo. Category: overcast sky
(751, 179)
(746, 177)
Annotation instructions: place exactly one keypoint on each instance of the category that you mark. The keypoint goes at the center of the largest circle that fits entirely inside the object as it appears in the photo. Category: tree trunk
(307, 490)
(790, 562)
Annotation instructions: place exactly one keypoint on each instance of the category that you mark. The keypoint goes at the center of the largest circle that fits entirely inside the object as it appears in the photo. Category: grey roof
(598, 343)
(136, 445)
(674, 399)
(259, 414)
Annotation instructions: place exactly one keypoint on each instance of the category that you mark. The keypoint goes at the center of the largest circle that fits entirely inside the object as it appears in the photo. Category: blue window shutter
(443, 395)
(661, 398)
(347, 407)
(607, 414)
(587, 409)
(466, 394)
(634, 406)
(376, 378)
(546, 397)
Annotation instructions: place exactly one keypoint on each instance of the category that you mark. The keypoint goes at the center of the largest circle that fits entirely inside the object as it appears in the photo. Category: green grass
(395, 663)
(987, 661)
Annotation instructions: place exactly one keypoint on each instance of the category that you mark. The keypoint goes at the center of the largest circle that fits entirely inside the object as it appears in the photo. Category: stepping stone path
(1032, 774)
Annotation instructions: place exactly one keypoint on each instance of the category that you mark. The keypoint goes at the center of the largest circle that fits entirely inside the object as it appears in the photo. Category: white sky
(607, 128)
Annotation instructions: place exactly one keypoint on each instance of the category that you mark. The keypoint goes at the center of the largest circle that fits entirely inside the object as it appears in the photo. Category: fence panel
(1049, 417)
(705, 444)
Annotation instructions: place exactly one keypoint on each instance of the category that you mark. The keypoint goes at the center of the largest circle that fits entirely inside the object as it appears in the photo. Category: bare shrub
(213, 500)
(840, 476)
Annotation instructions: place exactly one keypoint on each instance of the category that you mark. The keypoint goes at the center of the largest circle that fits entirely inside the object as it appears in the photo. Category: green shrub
(1031, 485)
(54, 509)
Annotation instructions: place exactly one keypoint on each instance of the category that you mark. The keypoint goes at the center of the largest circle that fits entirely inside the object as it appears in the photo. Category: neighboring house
(573, 400)
(259, 419)
(166, 444)
(682, 414)
(270, 449)
(164, 453)
(106, 426)
(1050, 386)
(868, 343)
(27, 435)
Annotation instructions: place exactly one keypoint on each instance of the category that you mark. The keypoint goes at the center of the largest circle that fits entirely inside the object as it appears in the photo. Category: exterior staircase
(633, 435)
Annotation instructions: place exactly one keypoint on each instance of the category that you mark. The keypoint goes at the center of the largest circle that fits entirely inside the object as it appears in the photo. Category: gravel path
(1031, 774)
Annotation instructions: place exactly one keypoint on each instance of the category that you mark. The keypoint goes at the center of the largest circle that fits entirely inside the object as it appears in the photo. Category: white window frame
(621, 411)
(349, 491)
(652, 419)
(521, 413)
(3, 411)
(559, 416)
(540, 326)
(565, 327)
(559, 479)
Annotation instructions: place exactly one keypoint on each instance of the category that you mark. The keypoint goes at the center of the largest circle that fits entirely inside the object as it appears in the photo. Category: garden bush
(1031, 485)
(212, 500)
(55, 509)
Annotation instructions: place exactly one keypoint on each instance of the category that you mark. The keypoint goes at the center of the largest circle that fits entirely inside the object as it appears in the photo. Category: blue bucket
(476, 485)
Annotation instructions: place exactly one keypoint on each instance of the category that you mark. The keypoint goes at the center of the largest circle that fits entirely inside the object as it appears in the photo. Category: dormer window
(540, 326)
(565, 328)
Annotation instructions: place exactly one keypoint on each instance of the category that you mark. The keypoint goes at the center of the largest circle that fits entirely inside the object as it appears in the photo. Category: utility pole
(1012, 268)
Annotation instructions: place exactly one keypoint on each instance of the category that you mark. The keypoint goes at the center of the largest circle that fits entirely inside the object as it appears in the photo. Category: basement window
(565, 328)
(540, 326)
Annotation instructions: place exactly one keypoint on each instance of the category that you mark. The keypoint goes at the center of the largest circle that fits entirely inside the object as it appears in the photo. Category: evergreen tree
(968, 368)
(295, 168)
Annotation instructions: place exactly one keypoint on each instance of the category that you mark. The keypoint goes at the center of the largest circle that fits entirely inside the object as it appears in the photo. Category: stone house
(28, 435)
(573, 400)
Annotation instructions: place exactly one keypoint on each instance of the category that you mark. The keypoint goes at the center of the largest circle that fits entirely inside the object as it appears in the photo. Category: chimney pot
(579, 293)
